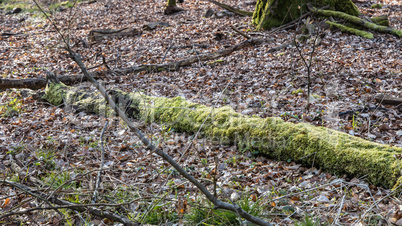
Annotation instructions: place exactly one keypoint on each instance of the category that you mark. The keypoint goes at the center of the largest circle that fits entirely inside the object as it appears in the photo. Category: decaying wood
(383, 99)
(172, 66)
(355, 20)
(361, 110)
(99, 34)
(232, 9)
(39, 83)
(152, 26)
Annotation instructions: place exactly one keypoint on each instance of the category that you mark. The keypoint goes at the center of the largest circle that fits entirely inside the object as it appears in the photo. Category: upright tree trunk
(171, 7)
(274, 13)
(171, 3)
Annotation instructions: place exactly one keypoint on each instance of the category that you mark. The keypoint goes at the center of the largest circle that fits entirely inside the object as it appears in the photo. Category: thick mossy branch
(356, 20)
(351, 30)
(331, 150)
(381, 20)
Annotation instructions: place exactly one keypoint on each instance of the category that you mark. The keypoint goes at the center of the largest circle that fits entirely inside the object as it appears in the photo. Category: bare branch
(65, 204)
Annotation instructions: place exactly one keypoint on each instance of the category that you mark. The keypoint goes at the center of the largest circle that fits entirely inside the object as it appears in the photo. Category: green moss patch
(351, 30)
(376, 6)
(30, 6)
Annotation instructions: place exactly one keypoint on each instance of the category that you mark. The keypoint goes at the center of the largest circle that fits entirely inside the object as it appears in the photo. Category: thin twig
(340, 209)
(240, 32)
(69, 205)
(215, 173)
(232, 9)
(164, 57)
(99, 177)
(28, 191)
(375, 204)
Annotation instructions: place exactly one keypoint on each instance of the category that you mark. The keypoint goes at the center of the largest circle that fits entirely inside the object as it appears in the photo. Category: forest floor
(56, 145)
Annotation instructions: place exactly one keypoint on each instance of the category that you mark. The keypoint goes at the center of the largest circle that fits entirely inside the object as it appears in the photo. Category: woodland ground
(53, 144)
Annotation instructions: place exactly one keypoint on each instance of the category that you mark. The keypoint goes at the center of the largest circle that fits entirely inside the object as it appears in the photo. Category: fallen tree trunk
(331, 150)
(383, 99)
(99, 34)
(172, 66)
(39, 83)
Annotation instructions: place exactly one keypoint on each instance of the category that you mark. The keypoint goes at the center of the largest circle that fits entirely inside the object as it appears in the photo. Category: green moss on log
(381, 20)
(351, 30)
(55, 93)
(331, 150)
(376, 6)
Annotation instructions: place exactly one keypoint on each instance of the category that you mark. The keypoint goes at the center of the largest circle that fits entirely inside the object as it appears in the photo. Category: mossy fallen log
(331, 150)
(351, 30)
(356, 20)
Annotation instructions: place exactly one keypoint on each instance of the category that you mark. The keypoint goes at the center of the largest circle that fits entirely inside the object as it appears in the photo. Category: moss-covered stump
(274, 13)
(328, 149)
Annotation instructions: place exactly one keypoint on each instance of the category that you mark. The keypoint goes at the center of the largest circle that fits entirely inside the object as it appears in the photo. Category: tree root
(355, 20)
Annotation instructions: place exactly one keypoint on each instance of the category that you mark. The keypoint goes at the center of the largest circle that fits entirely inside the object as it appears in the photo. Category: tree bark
(171, 8)
(274, 13)
(171, 3)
